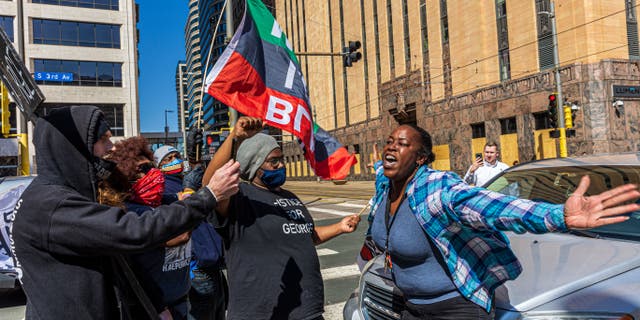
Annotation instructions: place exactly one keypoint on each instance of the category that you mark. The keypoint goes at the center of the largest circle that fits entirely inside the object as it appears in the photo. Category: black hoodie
(65, 242)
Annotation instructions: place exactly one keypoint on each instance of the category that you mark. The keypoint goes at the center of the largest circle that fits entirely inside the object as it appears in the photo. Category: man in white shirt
(481, 170)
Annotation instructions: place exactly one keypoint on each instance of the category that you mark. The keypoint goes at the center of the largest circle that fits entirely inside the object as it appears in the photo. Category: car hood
(555, 265)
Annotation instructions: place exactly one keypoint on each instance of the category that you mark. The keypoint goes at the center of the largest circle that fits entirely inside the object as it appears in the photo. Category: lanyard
(388, 224)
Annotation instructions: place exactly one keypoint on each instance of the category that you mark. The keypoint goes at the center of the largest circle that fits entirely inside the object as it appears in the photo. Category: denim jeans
(208, 294)
(450, 309)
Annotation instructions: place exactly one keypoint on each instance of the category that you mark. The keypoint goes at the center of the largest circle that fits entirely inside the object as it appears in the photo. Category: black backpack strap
(144, 300)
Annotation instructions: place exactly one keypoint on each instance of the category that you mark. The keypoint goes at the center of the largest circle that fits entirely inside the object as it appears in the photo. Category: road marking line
(336, 212)
(340, 272)
(351, 205)
(325, 252)
(333, 311)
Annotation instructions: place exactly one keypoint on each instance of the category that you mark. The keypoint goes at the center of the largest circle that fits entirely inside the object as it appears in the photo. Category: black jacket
(65, 242)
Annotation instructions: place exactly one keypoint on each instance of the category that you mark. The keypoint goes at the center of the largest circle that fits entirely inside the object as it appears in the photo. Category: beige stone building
(91, 43)
(469, 72)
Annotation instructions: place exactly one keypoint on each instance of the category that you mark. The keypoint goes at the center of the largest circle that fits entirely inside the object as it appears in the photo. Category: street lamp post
(181, 110)
(166, 126)
(562, 140)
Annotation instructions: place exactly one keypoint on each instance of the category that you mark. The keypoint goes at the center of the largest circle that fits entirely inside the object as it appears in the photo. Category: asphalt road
(328, 203)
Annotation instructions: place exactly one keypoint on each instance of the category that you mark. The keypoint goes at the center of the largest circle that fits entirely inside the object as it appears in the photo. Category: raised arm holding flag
(259, 75)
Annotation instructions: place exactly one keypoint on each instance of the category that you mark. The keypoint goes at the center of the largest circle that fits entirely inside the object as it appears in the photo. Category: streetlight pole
(166, 126)
(562, 140)
(560, 103)
(181, 110)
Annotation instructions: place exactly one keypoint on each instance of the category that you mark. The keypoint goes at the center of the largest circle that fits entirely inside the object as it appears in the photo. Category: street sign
(16, 77)
(626, 91)
(54, 76)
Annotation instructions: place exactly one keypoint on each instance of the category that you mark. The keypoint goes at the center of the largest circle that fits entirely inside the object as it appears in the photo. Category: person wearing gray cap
(273, 267)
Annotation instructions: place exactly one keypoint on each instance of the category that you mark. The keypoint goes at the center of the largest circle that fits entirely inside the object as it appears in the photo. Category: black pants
(208, 294)
(454, 309)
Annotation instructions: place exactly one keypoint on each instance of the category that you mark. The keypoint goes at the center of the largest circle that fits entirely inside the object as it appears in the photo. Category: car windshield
(556, 184)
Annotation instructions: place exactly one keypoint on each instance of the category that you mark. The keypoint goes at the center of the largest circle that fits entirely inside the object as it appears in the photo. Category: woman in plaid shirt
(442, 238)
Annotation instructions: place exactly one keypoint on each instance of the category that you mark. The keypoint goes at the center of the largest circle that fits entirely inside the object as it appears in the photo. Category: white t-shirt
(484, 173)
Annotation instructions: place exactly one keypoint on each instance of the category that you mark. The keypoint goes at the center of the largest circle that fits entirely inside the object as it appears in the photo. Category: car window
(555, 185)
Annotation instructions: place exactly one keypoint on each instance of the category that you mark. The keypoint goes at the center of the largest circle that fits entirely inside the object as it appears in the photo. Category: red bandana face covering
(148, 189)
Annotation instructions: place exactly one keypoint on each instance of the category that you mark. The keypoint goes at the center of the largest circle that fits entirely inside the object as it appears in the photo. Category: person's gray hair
(252, 153)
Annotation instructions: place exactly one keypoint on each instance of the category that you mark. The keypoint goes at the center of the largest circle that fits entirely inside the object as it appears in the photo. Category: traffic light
(351, 54)
(552, 111)
(568, 117)
(209, 140)
(6, 124)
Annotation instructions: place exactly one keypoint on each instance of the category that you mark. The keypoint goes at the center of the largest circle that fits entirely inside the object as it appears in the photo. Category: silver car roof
(618, 159)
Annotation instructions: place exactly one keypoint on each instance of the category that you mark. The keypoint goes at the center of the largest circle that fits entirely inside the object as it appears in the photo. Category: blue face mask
(173, 167)
(274, 178)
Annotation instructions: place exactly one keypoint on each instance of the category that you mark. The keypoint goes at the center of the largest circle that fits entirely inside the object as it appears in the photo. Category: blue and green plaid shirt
(465, 222)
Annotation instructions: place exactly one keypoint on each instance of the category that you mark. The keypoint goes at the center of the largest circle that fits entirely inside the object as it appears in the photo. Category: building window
(542, 121)
(545, 36)
(508, 126)
(407, 40)
(71, 33)
(94, 4)
(446, 53)
(632, 29)
(365, 56)
(478, 131)
(113, 114)
(423, 27)
(444, 21)
(392, 59)
(503, 40)
(376, 38)
(85, 73)
(6, 23)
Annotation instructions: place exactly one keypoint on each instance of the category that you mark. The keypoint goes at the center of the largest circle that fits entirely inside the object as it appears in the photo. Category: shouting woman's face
(402, 153)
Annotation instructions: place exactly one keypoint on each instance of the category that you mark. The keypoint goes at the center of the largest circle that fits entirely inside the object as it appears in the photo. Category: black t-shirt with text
(273, 267)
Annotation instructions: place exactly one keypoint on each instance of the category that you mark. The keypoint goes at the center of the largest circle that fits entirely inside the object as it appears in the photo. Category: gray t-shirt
(273, 267)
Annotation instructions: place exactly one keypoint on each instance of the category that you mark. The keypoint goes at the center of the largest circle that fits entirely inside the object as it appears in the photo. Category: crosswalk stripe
(325, 252)
(340, 272)
(336, 212)
(333, 311)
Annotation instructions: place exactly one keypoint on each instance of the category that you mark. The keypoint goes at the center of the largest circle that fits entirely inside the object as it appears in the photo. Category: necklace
(388, 265)
(387, 216)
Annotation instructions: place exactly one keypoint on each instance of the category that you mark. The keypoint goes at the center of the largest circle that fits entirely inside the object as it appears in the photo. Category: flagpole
(233, 114)
(206, 67)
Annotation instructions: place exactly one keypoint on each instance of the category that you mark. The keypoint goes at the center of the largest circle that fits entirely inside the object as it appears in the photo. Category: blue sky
(161, 46)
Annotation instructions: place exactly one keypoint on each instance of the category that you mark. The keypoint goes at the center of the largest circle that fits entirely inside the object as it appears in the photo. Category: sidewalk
(360, 190)
(364, 185)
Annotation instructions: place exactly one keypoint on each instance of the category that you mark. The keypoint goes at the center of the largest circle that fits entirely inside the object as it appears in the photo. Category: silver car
(585, 274)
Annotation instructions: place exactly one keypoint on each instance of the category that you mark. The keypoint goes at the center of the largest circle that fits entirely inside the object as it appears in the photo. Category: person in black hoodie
(66, 245)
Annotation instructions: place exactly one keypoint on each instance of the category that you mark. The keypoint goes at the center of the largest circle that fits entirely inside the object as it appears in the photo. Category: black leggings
(454, 309)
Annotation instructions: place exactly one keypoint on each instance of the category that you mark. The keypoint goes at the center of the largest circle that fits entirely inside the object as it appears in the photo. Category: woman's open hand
(582, 212)
(376, 156)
